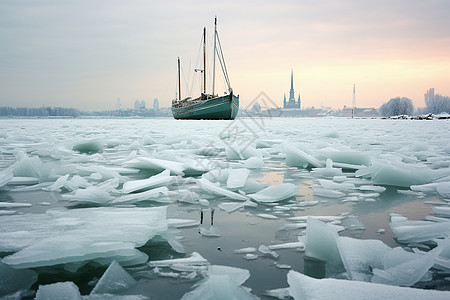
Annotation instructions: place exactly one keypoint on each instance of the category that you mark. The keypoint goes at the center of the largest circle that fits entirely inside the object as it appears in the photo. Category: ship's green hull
(219, 108)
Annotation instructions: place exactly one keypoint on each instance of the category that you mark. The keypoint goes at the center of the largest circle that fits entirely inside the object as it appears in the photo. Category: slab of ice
(16, 180)
(218, 287)
(159, 180)
(298, 158)
(254, 162)
(238, 275)
(441, 211)
(373, 188)
(194, 260)
(12, 280)
(351, 157)
(59, 290)
(267, 251)
(304, 287)
(154, 194)
(230, 206)
(408, 231)
(27, 166)
(91, 194)
(237, 178)
(210, 187)
(409, 272)
(398, 174)
(443, 189)
(293, 245)
(327, 193)
(237, 152)
(245, 250)
(7, 212)
(88, 146)
(13, 204)
(267, 216)
(114, 280)
(77, 235)
(275, 193)
(156, 164)
(321, 242)
(5, 176)
(210, 231)
(217, 175)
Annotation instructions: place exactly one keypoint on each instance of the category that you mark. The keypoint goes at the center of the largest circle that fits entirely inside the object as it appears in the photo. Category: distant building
(156, 104)
(292, 103)
(139, 105)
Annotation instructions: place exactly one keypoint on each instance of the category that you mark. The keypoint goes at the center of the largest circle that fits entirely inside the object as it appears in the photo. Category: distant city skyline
(86, 55)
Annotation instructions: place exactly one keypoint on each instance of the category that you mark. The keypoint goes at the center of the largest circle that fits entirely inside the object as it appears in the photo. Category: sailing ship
(208, 106)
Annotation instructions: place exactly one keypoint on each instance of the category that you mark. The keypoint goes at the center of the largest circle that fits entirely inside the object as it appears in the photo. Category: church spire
(291, 92)
(292, 79)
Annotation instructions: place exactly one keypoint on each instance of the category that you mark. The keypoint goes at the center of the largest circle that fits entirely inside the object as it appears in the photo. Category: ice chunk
(156, 164)
(219, 287)
(397, 174)
(59, 290)
(235, 152)
(350, 157)
(275, 193)
(114, 280)
(159, 180)
(217, 175)
(297, 158)
(418, 231)
(153, 194)
(304, 287)
(230, 206)
(442, 211)
(321, 242)
(209, 187)
(210, 231)
(327, 193)
(5, 176)
(27, 166)
(16, 180)
(91, 194)
(245, 250)
(12, 280)
(374, 188)
(13, 204)
(443, 189)
(293, 245)
(238, 275)
(254, 162)
(194, 260)
(409, 272)
(237, 178)
(88, 146)
(267, 216)
(67, 236)
(267, 251)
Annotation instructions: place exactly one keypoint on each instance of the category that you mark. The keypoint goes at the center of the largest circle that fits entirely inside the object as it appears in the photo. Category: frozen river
(165, 209)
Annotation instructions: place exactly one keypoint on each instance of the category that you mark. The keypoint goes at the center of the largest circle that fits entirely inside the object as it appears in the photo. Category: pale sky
(85, 54)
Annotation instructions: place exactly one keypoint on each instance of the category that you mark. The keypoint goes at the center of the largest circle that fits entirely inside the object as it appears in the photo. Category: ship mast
(214, 55)
(179, 80)
(204, 60)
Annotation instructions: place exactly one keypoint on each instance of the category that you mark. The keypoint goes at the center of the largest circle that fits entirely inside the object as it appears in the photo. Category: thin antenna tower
(354, 98)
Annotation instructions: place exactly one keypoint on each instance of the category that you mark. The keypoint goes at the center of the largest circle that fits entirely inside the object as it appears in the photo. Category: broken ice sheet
(275, 193)
(210, 187)
(237, 178)
(12, 280)
(304, 287)
(221, 282)
(69, 236)
(159, 180)
(114, 280)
